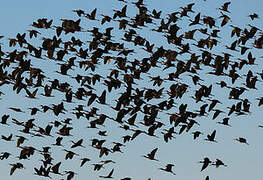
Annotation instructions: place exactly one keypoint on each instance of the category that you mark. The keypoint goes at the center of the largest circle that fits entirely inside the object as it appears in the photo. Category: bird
(107, 161)
(168, 168)
(196, 134)
(55, 168)
(83, 161)
(15, 109)
(31, 95)
(224, 7)
(253, 16)
(213, 104)
(79, 12)
(196, 20)
(102, 98)
(225, 121)
(109, 175)
(97, 167)
(8, 138)
(70, 154)
(126, 178)
(217, 112)
(4, 119)
(151, 155)
(225, 20)
(16, 166)
(205, 162)
(92, 15)
(70, 174)
(218, 163)
(242, 140)
(211, 137)
(78, 143)
(58, 141)
(4, 155)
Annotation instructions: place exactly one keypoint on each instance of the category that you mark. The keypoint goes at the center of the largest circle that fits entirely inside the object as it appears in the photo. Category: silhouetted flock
(98, 71)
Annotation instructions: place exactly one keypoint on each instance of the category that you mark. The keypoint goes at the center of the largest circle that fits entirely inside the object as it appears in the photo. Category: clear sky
(243, 162)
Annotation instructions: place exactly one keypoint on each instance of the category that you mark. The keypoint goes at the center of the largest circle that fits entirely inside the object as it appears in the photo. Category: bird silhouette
(205, 162)
(151, 155)
(15, 166)
(241, 140)
(218, 163)
(109, 175)
(168, 168)
(211, 137)
(78, 143)
(55, 168)
(83, 161)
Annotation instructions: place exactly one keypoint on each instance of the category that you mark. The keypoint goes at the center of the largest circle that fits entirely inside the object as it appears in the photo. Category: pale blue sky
(244, 162)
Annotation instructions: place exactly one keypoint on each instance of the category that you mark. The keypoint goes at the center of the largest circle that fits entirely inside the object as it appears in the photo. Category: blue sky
(243, 161)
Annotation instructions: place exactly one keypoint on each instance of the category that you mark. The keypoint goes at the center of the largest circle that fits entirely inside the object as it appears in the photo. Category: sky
(243, 161)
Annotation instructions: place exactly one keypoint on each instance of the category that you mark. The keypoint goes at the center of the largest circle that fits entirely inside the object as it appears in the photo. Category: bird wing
(153, 152)
(213, 134)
